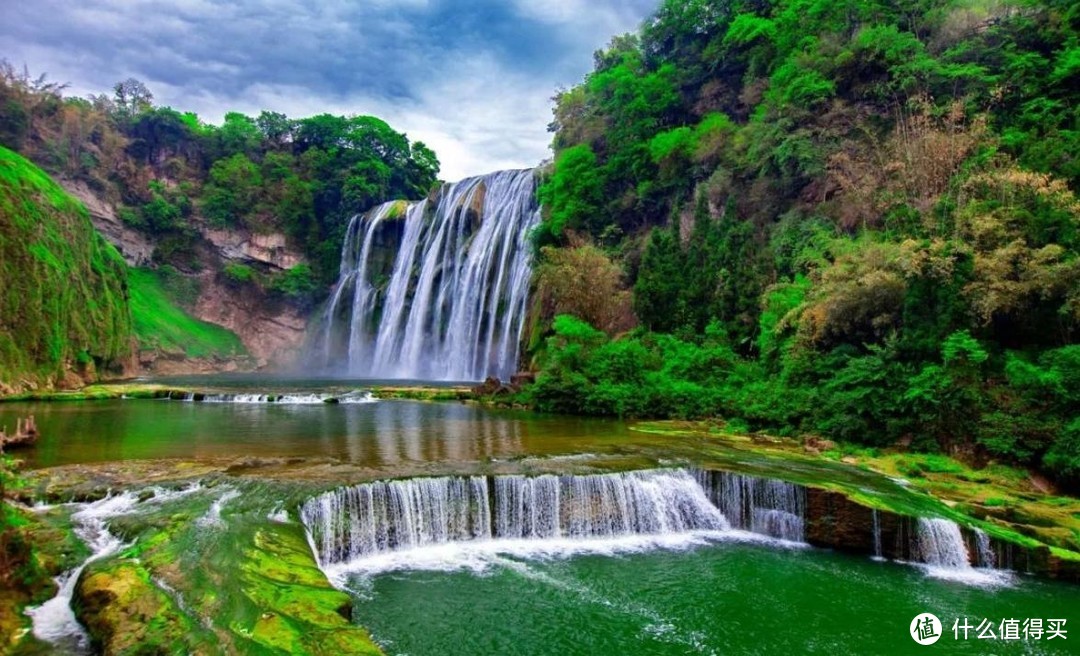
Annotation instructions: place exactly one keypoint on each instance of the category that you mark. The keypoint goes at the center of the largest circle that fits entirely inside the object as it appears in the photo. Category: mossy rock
(299, 611)
(125, 613)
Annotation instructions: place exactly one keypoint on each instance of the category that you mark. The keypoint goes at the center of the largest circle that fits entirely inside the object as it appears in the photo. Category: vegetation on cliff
(63, 302)
(161, 325)
(856, 219)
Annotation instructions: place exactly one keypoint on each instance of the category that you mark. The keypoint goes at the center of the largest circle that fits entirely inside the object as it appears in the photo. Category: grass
(160, 324)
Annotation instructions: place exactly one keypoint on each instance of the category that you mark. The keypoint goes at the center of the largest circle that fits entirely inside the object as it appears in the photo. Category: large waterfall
(436, 289)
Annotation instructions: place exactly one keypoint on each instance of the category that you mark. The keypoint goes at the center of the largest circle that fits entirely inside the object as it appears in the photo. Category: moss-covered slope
(63, 289)
(160, 324)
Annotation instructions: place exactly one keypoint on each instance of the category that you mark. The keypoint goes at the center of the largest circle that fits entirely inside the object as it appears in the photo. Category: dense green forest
(167, 169)
(849, 218)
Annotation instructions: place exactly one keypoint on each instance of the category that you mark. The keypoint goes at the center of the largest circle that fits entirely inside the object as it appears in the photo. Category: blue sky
(473, 80)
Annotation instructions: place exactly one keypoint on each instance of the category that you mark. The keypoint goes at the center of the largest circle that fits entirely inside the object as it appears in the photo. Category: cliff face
(64, 316)
(271, 331)
(133, 245)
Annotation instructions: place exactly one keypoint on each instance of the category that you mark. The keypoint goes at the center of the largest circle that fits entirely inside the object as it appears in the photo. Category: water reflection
(382, 435)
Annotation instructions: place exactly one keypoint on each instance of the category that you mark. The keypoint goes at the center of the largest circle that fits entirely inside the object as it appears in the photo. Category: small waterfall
(877, 536)
(390, 515)
(760, 505)
(984, 551)
(380, 517)
(436, 289)
(939, 543)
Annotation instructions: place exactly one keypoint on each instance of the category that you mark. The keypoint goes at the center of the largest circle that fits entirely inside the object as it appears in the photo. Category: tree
(132, 98)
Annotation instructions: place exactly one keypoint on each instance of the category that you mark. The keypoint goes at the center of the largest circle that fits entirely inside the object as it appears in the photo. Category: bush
(238, 274)
(296, 284)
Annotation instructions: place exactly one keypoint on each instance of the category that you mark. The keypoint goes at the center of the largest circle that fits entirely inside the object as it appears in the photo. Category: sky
(472, 80)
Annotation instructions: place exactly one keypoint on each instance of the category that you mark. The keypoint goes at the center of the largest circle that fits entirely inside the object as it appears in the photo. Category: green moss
(424, 393)
(160, 324)
(100, 392)
(64, 295)
(126, 613)
(254, 584)
(301, 612)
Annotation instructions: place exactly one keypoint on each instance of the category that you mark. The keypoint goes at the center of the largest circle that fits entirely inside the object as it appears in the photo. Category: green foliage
(231, 191)
(64, 292)
(1063, 458)
(160, 324)
(715, 275)
(297, 283)
(572, 195)
(301, 177)
(871, 207)
(238, 274)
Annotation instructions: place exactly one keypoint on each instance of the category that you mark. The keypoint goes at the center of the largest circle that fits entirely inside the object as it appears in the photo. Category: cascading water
(877, 536)
(451, 303)
(940, 546)
(453, 522)
(984, 551)
(760, 505)
(381, 517)
(288, 398)
(54, 621)
(939, 543)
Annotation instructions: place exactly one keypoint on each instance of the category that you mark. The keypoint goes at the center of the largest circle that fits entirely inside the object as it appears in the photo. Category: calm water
(384, 435)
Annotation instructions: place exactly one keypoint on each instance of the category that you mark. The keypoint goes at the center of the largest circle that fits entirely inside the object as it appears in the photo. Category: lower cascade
(349, 527)
(375, 518)
(760, 505)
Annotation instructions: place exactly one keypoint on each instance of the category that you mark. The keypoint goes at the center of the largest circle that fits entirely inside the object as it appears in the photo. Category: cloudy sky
(472, 79)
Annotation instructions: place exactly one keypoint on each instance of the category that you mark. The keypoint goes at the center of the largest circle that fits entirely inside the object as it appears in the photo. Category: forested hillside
(169, 173)
(848, 218)
(63, 298)
(238, 224)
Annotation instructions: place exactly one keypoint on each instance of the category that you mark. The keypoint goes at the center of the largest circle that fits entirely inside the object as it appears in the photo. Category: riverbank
(131, 390)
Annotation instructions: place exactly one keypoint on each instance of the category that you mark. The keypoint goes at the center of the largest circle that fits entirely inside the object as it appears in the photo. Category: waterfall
(436, 289)
(984, 551)
(376, 518)
(939, 543)
(760, 505)
(877, 536)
